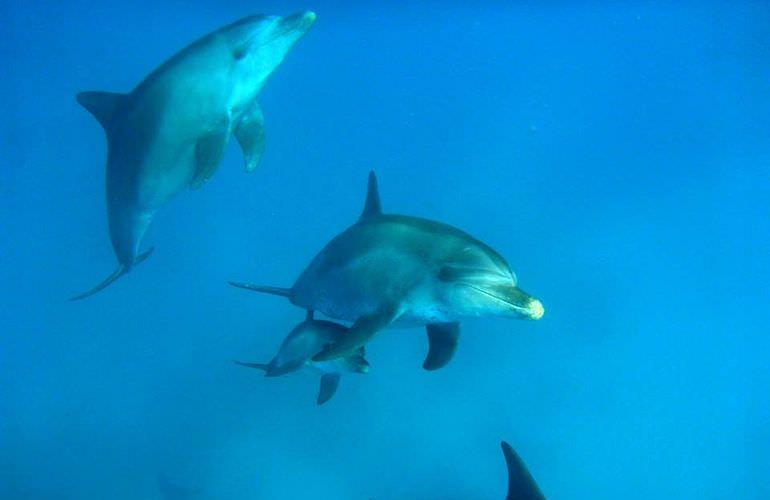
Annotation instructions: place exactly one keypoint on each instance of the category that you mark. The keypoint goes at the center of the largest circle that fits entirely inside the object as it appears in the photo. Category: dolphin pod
(305, 341)
(398, 270)
(170, 132)
(385, 270)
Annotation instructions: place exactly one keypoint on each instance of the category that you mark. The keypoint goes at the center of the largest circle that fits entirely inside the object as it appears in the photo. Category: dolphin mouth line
(518, 307)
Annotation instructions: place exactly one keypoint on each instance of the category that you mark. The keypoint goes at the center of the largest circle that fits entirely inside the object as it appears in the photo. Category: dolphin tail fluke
(521, 485)
(258, 366)
(112, 278)
(273, 290)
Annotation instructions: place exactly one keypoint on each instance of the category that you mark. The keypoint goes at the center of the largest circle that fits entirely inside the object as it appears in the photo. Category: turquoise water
(617, 156)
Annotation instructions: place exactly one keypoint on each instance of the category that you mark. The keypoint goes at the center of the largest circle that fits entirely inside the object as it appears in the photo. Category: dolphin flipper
(209, 151)
(521, 485)
(273, 290)
(120, 271)
(250, 134)
(359, 334)
(442, 339)
(327, 387)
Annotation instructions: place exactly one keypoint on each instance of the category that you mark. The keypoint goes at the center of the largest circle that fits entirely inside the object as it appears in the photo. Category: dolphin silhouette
(397, 270)
(170, 132)
(303, 342)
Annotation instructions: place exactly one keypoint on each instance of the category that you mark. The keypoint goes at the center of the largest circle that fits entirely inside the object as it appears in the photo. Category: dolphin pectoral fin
(359, 334)
(327, 387)
(208, 155)
(112, 278)
(273, 290)
(250, 134)
(521, 485)
(101, 104)
(442, 344)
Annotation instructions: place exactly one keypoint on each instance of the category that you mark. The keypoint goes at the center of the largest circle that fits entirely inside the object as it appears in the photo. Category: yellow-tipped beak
(536, 309)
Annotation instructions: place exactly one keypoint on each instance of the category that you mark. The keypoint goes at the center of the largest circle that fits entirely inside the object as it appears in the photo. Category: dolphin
(303, 342)
(521, 485)
(170, 132)
(397, 270)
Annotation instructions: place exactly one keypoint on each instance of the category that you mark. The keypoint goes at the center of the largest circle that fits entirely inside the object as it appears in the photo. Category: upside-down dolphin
(400, 270)
(303, 342)
(170, 132)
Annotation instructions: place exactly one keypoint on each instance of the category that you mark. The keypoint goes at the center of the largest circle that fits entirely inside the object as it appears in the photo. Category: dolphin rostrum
(305, 341)
(170, 132)
(400, 270)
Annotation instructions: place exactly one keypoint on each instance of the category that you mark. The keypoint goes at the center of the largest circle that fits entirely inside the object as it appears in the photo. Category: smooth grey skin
(170, 132)
(521, 484)
(303, 342)
(397, 270)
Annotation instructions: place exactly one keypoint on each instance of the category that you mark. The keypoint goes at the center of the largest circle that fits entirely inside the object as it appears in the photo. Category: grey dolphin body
(305, 341)
(399, 270)
(170, 132)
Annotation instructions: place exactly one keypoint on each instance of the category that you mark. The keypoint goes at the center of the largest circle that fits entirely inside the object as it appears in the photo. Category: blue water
(617, 156)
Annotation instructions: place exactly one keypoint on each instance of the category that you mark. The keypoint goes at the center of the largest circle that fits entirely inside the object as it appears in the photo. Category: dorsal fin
(372, 206)
(521, 485)
(101, 104)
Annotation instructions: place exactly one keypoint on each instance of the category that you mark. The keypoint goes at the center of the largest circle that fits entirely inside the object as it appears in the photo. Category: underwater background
(618, 156)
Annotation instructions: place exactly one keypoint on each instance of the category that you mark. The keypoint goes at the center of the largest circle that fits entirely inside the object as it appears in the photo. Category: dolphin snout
(535, 309)
(300, 21)
(525, 305)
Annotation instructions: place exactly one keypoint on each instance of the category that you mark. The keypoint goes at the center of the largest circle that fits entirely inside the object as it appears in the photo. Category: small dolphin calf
(306, 340)
(401, 270)
(170, 132)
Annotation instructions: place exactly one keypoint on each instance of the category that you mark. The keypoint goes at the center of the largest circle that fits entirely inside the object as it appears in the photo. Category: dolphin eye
(449, 273)
(239, 53)
(445, 274)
